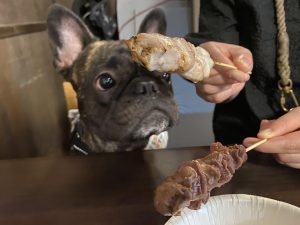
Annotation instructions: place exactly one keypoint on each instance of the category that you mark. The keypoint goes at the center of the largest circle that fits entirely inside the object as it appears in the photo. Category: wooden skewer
(255, 145)
(228, 66)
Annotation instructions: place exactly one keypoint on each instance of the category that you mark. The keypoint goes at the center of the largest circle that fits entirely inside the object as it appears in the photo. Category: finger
(284, 124)
(209, 89)
(217, 79)
(287, 158)
(213, 72)
(225, 95)
(286, 144)
(230, 54)
(247, 142)
(294, 165)
(242, 59)
(216, 98)
(265, 124)
(236, 75)
(229, 76)
(233, 75)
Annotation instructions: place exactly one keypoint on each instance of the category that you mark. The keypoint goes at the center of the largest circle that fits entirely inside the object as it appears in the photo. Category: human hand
(283, 136)
(224, 84)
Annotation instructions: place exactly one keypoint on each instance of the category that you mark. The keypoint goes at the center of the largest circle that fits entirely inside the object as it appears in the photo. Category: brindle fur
(120, 118)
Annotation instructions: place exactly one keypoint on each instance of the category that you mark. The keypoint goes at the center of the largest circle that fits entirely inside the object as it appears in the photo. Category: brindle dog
(120, 103)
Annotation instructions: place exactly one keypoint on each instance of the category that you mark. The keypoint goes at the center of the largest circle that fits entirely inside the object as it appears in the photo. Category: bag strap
(285, 84)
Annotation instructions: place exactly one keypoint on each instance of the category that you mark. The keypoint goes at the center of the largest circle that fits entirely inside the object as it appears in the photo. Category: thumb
(242, 59)
(287, 123)
(266, 129)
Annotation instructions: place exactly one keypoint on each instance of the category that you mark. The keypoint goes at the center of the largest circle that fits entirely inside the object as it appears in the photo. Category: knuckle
(208, 44)
(207, 89)
(210, 99)
(217, 98)
(203, 90)
(201, 94)
(199, 90)
(289, 146)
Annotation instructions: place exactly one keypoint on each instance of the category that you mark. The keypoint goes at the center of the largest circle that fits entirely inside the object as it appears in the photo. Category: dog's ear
(68, 37)
(154, 22)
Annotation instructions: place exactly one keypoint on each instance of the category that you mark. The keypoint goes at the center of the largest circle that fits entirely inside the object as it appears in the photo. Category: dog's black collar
(77, 145)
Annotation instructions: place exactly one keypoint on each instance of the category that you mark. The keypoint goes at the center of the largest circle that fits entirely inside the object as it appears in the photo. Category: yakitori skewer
(172, 54)
(229, 66)
(192, 183)
(256, 145)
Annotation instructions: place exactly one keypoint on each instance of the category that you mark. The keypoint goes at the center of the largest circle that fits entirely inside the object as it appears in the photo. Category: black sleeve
(217, 23)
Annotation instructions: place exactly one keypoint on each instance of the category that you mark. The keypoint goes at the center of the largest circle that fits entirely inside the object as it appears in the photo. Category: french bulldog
(121, 104)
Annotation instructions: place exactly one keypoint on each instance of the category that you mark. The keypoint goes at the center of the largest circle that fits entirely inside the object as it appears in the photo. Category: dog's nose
(149, 88)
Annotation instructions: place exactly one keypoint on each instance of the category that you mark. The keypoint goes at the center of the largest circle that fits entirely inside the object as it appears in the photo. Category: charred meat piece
(191, 185)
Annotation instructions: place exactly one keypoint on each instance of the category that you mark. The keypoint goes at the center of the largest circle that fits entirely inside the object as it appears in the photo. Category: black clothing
(252, 24)
(234, 121)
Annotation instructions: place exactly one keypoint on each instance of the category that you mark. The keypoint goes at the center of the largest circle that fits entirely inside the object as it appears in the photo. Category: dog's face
(119, 101)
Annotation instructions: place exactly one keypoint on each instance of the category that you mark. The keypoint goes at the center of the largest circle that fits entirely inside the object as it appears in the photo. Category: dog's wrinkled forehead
(111, 53)
(101, 55)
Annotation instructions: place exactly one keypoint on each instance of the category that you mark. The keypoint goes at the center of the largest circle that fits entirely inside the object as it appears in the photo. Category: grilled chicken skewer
(165, 54)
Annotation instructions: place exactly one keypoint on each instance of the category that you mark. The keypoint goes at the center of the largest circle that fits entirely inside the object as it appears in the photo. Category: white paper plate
(239, 209)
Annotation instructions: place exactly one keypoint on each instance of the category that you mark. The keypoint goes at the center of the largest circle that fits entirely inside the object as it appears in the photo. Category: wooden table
(118, 188)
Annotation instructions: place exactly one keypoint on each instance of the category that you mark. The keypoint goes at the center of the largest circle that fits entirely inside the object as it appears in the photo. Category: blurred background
(33, 107)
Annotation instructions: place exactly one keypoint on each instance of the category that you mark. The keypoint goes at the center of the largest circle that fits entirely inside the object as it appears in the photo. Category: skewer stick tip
(255, 145)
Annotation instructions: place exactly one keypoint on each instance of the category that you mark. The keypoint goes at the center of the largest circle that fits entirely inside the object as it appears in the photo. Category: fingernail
(267, 133)
(247, 77)
(245, 61)
(265, 121)
(248, 141)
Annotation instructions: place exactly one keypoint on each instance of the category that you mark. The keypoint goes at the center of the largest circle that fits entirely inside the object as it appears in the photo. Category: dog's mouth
(153, 123)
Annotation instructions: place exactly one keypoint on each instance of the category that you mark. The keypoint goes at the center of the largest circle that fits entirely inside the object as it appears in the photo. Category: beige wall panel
(23, 11)
(32, 106)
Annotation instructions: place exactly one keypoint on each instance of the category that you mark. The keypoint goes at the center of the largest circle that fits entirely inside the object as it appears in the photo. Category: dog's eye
(105, 81)
(166, 77)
